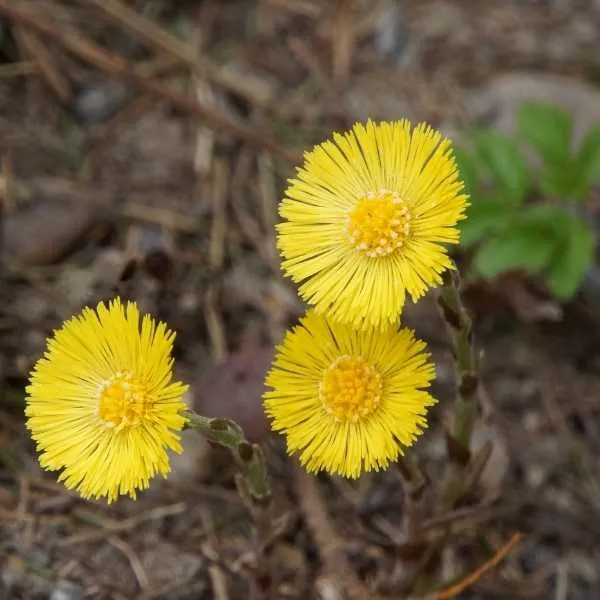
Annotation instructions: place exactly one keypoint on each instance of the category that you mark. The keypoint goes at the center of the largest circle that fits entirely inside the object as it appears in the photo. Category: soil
(110, 185)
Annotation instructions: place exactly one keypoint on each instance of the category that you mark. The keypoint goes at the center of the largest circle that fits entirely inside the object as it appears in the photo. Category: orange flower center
(351, 389)
(379, 224)
(124, 400)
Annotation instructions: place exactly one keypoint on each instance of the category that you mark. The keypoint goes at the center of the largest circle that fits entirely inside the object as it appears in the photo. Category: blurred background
(144, 146)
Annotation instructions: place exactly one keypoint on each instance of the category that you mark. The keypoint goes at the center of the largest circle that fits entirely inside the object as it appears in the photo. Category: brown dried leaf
(233, 389)
(43, 232)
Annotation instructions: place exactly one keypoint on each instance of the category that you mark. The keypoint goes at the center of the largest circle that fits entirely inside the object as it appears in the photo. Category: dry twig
(118, 67)
(45, 63)
(326, 538)
(254, 89)
(470, 580)
(134, 562)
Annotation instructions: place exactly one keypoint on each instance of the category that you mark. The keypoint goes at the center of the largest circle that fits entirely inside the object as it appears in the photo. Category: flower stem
(248, 457)
(460, 328)
(253, 487)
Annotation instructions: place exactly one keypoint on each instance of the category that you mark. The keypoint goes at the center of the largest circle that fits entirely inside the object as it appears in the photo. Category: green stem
(248, 457)
(467, 378)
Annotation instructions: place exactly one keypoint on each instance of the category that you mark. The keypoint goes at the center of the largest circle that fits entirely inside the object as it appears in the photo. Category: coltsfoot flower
(101, 404)
(366, 220)
(348, 400)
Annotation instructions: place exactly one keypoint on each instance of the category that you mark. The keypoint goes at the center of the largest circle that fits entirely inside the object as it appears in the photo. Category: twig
(305, 8)
(155, 514)
(26, 67)
(118, 67)
(205, 137)
(212, 316)
(269, 200)
(134, 561)
(250, 87)
(342, 36)
(461, 586)
(161, 216)
(414, 484)
(562, 580)
(208, 547)
(214, 323)
(326, 538)
(218, 227)
(471, 514)
(250, 227)
(45, 64)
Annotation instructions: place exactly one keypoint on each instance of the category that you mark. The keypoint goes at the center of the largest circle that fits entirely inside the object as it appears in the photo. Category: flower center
(379, 224)
(123, 400)
(351, 389)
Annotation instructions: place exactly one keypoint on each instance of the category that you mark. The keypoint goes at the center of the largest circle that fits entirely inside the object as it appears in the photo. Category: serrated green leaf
(526, 246)
(588, 157)
(484, 215)
(566, 183)
(572, 259)
(547, 129)
(503, 158)
(543, 216)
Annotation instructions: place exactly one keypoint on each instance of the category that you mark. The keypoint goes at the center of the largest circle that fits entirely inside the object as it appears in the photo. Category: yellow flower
(348, 400)
(101, 405)
(366, 219)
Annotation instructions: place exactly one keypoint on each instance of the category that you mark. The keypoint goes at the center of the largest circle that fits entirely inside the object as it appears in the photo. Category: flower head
(101, 405)
(348, 400)
(366, 218)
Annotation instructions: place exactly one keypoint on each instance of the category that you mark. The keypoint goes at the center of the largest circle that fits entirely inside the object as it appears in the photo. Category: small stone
(536, 475)
(13, 573)
(532, 421)
(99, 101)
(391, 32)
(164, 562)
(66, 590)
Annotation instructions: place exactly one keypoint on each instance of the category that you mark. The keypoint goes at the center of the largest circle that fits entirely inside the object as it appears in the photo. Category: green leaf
(572, 259)
(588, 157)
(467, 169)
(483, 216)
(566, 183)
(504, 160)
(543, 216)
(527, 246)
(548, 129)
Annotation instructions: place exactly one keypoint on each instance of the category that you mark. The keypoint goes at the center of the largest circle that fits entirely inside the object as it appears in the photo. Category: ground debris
(144, 155)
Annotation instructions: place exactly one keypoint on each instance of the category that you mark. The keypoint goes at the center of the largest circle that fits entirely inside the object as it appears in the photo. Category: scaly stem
(467, 378)
(252, 484)
(248, 457)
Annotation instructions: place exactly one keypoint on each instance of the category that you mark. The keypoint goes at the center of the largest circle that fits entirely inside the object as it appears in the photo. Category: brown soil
(156, 177)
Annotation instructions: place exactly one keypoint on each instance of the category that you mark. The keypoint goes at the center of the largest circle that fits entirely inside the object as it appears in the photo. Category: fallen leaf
(233, 389)
(45, 230)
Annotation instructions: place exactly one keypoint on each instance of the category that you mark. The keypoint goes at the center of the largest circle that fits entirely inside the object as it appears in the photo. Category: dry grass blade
(26, 67)
(134, 561)
(254, 89)
(461, 586)
(342, 35)
(45, 64)
(326, 538)
(115, 65)
(209, 549)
